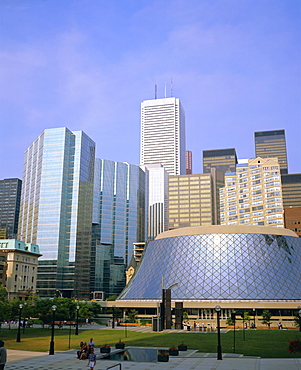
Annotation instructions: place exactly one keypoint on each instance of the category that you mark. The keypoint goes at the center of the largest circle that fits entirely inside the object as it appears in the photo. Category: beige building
(253, 194)
(22, 264)
(192, 200)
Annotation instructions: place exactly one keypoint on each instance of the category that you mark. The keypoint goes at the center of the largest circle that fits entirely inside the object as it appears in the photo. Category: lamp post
(76, 328)
(113, 312)
(254, 314)
(19, 325)
(51, 349)
(219, 347)
(299, 320)
(24, 318)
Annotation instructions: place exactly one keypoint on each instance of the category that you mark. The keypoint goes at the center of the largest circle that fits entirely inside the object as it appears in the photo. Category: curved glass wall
(220, 266)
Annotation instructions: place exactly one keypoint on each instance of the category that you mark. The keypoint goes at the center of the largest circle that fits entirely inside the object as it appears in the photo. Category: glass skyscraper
(10, 194)
(56, 209)
(270, 144)
(119, 220)
(163, 134)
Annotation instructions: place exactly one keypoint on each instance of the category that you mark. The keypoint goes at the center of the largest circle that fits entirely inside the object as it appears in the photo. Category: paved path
(26, 360)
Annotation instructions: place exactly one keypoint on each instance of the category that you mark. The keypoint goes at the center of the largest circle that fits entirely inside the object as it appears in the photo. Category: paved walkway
(26, 360)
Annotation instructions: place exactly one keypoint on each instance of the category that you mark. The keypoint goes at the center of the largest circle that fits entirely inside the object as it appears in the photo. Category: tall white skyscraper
(56, 209)
(163, 134)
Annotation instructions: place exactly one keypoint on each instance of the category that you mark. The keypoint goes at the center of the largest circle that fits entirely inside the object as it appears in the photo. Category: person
(3, 355)
(280, 325)
(84, 351)
(80, 348)
(92, 359)
(91, 345)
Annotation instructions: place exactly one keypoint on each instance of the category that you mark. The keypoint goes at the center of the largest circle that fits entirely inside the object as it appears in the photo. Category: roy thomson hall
(240, 268)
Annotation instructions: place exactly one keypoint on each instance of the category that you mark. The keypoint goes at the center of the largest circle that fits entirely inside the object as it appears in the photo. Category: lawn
(262, 343)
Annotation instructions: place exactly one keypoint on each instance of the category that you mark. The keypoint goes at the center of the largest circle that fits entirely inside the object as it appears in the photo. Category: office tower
(119, 221)
(188, 162)
(292, 219)
(223, 160)
(192, 200)
(163, 134)
(10, 193)
(291, 190)
(252, 195)
(56, 209)
(21, 267)
(271, 144)
(157, 180)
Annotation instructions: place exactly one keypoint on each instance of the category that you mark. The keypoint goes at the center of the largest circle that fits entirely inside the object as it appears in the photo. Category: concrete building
(163, 134)
(223, 160)
(252, 195)
(10, 194)
(157, 182)
(188, 162)
(119, 221)
(271, 144)
(56, 209)
(21, 267)
(192, 200)
(291, 190)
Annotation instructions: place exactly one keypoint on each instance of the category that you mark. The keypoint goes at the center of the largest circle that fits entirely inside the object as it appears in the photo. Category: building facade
(163, 134)
(188, 162)
(119, 221)
(10, 194)
(21, 267)
(252, 195)
(292, 219)
(271, 144)
(56, 209)
(192, 200)
(223, 160)
(291, 190)
(157, 190)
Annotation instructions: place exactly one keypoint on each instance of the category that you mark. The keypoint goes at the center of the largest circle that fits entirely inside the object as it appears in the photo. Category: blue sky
(87, 65)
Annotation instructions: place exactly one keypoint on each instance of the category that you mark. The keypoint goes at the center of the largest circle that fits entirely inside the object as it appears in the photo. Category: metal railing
(110, 367)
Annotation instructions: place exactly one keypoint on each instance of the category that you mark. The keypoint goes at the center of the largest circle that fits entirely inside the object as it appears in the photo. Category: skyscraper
(119, 220)
(163, 134)
(192, 200)
(188, 162)
(56, 209)
(157, 180)
(252, 195)
(271, 144)
(10, 194)
(291, 190)
(223, 160)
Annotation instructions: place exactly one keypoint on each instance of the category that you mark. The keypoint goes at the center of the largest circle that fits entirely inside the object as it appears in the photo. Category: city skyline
(234, 65)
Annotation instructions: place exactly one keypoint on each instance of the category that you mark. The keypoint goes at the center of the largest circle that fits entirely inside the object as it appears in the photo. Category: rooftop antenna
(171, 87)
(155, 90)
(165, 90)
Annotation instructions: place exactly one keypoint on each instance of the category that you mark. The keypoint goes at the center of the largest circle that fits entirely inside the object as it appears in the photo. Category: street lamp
(254, 314)
(51, 349)
(19, 325)
(76, 328)
(113, 312)
(299, 320)
(219, 348)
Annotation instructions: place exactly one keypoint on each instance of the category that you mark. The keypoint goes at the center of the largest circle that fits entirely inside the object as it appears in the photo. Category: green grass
(262, 343)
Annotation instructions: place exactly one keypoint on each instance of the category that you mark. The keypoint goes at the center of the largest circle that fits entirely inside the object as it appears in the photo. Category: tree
(185, 317)
(132, 316)
(266, 318)
(112, 298)
(3, 292)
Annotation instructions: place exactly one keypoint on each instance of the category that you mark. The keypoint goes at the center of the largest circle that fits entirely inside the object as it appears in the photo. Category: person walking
(92, 359)
(3, 355)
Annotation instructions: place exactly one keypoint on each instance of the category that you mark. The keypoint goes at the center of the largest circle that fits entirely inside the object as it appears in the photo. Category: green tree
(3, 292)
(112, 298)
(185, 317)
(266, 318)
(132, 316)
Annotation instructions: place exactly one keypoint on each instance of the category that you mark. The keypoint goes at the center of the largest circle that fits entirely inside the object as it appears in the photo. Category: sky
(87, 65)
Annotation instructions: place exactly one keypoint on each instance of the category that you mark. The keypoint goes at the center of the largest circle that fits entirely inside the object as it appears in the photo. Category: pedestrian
(92, 359)
(2, 355)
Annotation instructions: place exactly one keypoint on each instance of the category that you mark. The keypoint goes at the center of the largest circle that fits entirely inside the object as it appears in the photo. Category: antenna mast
(171, 87)
(155, 90)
